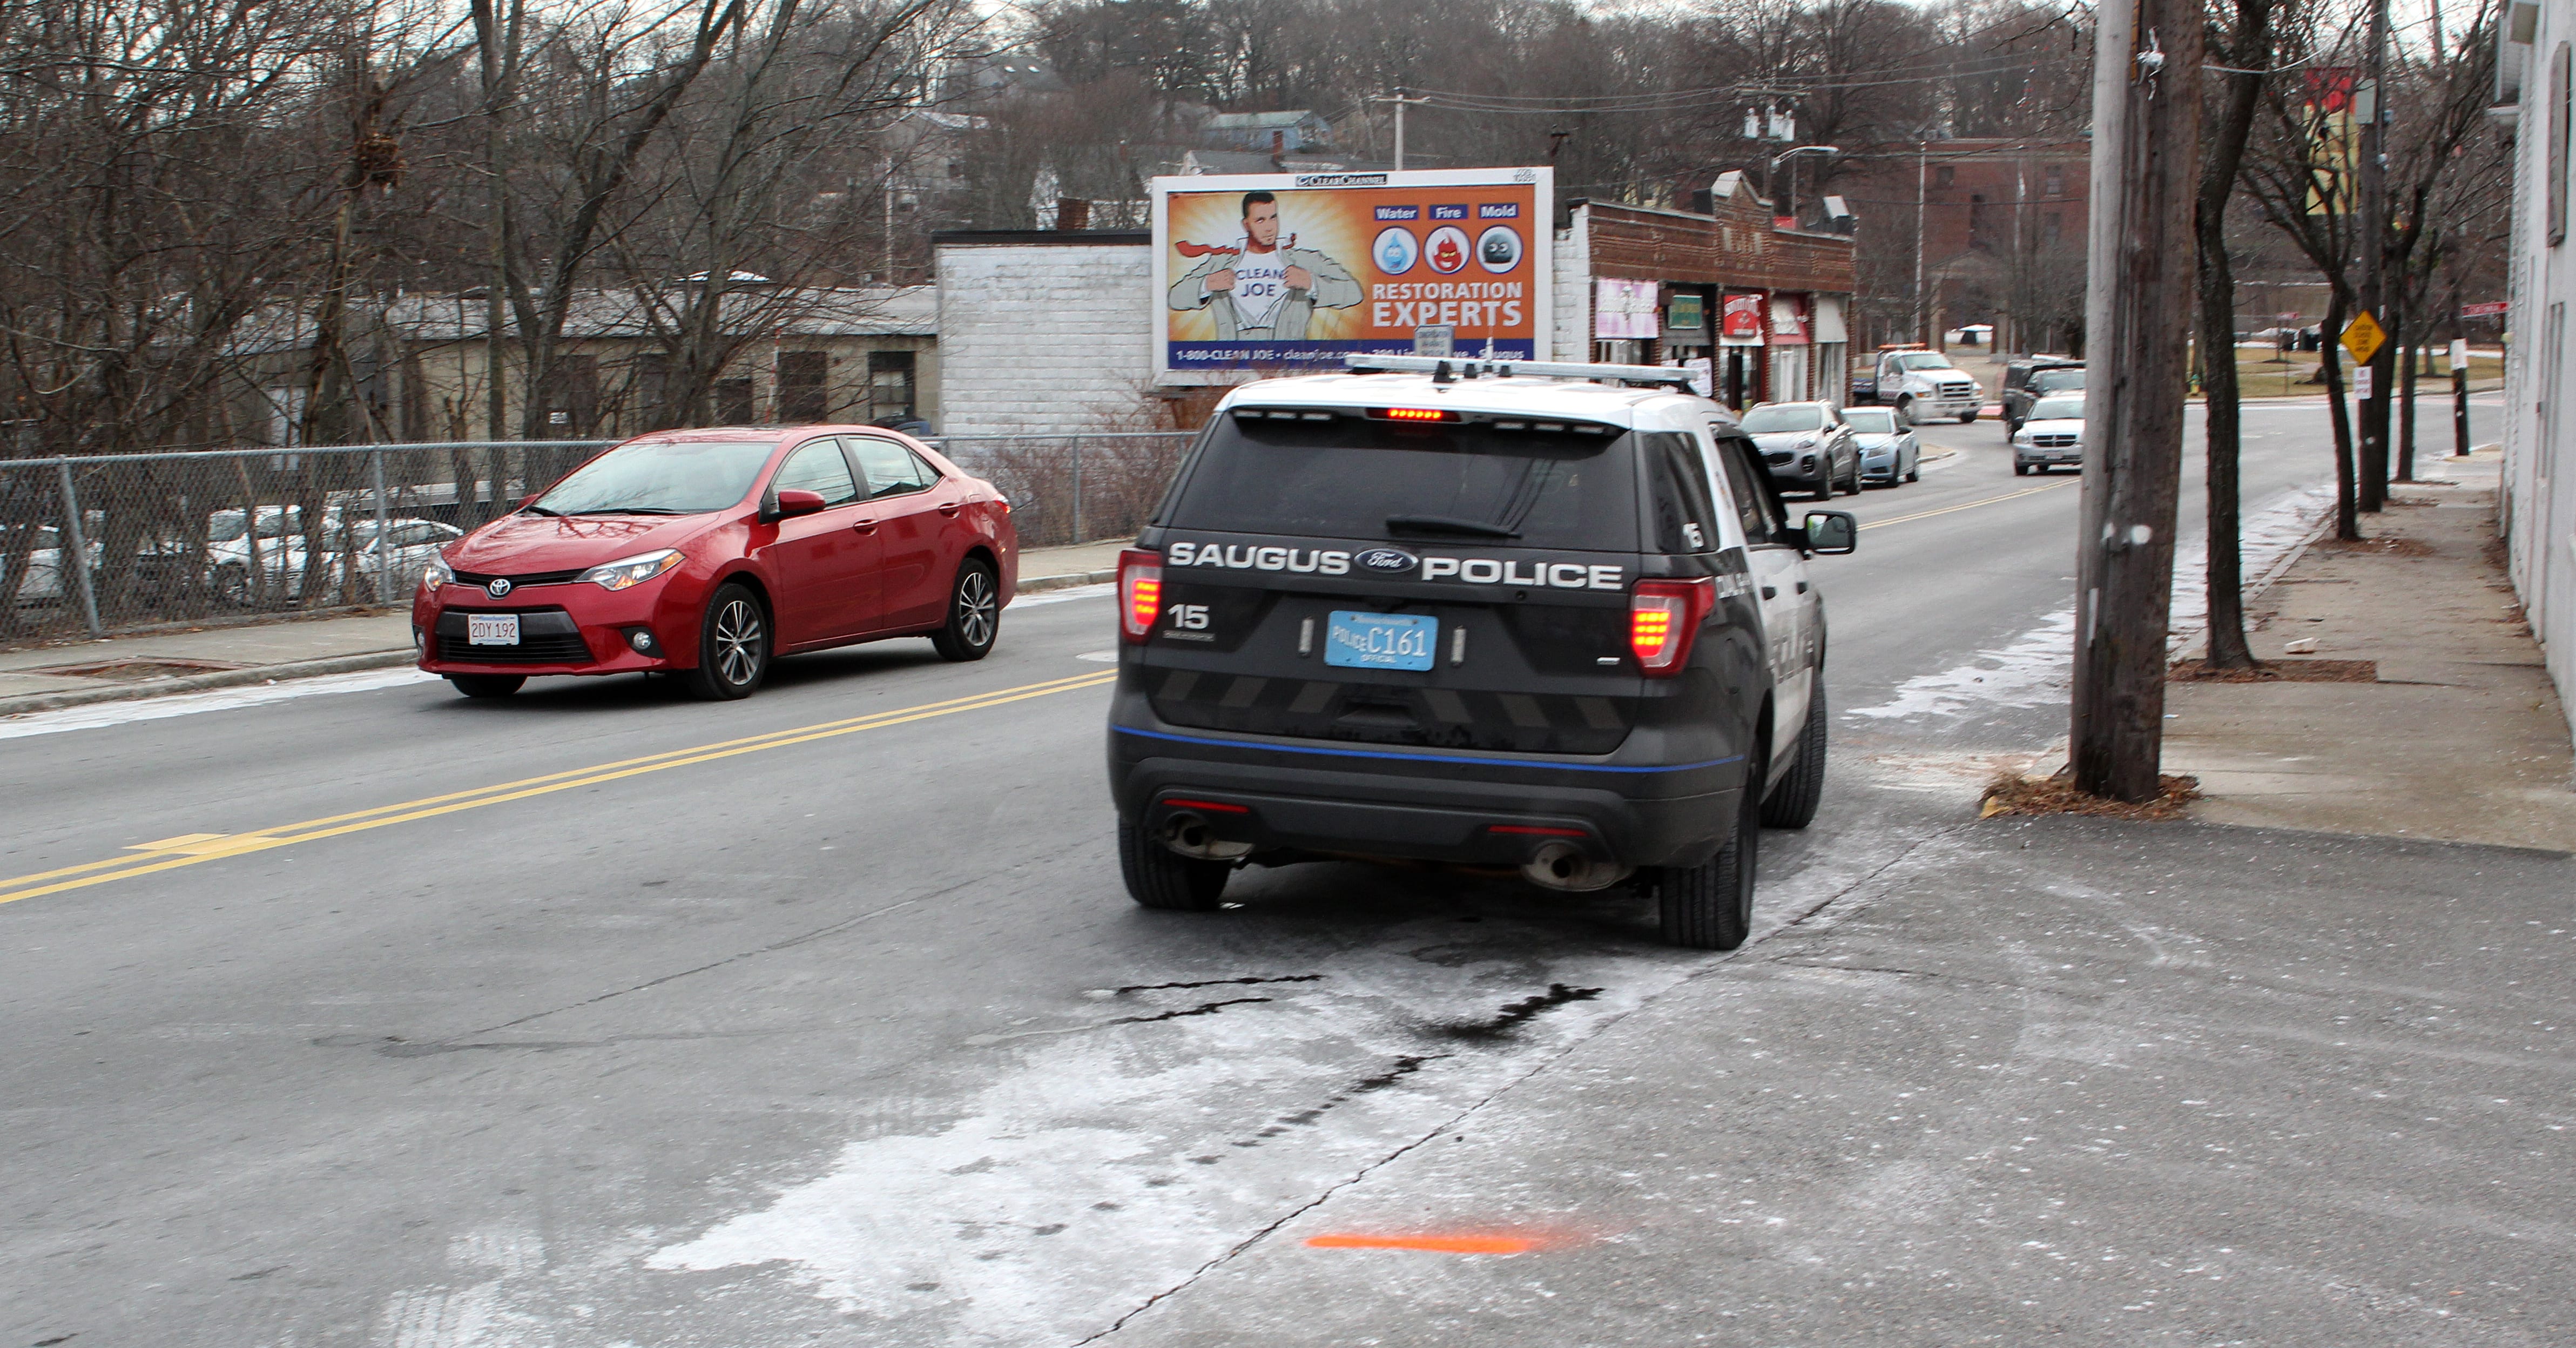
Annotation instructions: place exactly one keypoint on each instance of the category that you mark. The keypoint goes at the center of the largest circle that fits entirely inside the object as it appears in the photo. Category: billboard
(1289, 272)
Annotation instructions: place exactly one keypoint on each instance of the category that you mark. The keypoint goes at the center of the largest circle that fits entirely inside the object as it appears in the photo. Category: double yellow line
(1971, 505)
(191, 848)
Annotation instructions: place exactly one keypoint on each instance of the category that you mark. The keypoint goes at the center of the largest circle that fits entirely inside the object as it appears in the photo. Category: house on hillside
(1268, 132)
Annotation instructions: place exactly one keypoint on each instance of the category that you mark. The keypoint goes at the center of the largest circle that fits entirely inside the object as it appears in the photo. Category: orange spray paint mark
(1435, 1244)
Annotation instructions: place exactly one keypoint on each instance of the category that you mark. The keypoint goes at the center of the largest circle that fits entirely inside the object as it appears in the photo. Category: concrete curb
(1038, 584)
(350, 664)
(195, 683)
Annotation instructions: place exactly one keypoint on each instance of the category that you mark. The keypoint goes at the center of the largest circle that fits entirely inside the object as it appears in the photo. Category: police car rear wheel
(1158, 877)
(1792, 804)
(1710, 906)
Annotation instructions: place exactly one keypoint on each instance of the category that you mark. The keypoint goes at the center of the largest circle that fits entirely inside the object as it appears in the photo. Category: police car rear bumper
(1398, 802)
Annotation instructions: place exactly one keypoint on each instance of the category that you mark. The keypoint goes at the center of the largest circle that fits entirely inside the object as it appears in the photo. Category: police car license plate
(491, 629)
(1380, 640)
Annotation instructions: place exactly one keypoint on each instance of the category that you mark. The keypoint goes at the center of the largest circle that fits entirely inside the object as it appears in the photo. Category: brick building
(1999, 239)
(1767, 305)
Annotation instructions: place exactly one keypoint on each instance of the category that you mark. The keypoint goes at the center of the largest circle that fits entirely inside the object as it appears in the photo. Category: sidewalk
(2040, 1081)
(2458, 737)
(110, 669)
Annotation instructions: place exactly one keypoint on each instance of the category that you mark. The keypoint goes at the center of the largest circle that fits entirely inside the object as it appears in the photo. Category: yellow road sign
(2363, 338)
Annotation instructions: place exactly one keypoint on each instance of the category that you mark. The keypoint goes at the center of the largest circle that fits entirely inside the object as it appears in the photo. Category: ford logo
(500, 586)
(1387, 560)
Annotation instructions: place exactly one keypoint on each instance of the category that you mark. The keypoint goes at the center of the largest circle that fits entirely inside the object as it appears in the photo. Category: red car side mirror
(792, 503)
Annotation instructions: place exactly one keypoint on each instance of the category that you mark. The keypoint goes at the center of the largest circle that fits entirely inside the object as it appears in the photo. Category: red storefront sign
(1741, 322)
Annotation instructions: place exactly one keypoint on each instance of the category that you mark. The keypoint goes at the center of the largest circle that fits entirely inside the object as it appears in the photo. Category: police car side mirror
(1831, 532)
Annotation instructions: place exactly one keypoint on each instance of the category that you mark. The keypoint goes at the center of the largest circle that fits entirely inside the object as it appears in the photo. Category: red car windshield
(660, 477)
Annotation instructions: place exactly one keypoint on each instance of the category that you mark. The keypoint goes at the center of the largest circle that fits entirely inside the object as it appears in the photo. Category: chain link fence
(212, 535)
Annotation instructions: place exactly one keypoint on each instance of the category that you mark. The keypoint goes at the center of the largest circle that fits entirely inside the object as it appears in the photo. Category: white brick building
(1046, 331)
(2539, 506)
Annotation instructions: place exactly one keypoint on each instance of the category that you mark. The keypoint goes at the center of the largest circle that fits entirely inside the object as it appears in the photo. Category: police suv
(1493, 615)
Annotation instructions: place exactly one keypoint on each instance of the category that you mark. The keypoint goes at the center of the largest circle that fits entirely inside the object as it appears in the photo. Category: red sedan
(708, 553)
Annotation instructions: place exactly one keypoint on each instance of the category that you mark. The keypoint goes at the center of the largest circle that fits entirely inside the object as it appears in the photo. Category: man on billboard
(1259, 290)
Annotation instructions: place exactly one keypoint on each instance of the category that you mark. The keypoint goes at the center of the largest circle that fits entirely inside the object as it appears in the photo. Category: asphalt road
(597, 1016)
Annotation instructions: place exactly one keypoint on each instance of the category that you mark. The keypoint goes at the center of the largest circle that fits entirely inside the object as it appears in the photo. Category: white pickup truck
(1923, 382)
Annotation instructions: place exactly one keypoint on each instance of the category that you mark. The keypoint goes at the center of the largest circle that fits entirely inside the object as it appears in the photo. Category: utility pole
(1922, 171)
(1399, 100)
(2146, 172)
(2372, 491)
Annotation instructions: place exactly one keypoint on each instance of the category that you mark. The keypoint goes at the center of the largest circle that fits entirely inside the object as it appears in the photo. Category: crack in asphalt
(1545, 1062)
(1202, 1009)
(1217, 983)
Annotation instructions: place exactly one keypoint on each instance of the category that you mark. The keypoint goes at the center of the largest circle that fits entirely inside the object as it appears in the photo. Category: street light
(1784, 156)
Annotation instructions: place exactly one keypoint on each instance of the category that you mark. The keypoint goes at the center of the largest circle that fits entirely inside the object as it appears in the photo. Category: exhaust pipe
(1562, 866)
(1187, 833)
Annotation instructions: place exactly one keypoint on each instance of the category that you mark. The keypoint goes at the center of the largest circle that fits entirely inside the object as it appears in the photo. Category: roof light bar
(1652, 375)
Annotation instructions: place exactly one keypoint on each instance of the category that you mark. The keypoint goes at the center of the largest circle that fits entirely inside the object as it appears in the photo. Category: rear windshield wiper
(1450, 524)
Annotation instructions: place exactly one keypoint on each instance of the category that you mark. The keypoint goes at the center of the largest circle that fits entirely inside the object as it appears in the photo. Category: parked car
(2028, 380)
(411, 545)
(273, 552)
(1889, 453)
(1805, 446)
(1523, 621)
(44, 582)
(2052, 437)
(707, 553)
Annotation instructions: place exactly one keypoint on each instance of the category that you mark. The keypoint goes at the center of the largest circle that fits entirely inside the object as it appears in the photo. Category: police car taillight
(1140, 593)
(1663, 617)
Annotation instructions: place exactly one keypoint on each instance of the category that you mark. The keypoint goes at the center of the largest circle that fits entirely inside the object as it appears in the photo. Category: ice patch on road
(102, 714)
(2036, 668)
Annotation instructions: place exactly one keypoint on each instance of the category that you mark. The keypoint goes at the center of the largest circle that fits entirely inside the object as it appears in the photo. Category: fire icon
(1446, 250)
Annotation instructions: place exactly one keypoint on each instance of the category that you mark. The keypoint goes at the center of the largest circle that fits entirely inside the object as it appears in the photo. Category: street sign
(2484, 309)
(1435, 339)
(2363, 338)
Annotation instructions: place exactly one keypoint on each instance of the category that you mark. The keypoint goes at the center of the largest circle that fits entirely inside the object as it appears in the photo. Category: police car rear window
(1360, 479)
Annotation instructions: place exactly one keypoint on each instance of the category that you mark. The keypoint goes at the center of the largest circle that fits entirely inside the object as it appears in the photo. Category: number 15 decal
(1190, 617)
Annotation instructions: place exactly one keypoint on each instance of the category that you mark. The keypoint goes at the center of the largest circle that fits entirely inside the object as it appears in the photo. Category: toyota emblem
(500, 586)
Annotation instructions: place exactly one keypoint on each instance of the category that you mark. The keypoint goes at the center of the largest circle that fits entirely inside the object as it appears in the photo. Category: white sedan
(2051, 436)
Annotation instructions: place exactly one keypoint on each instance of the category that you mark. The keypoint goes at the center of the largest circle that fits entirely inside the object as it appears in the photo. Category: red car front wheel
(733, 646)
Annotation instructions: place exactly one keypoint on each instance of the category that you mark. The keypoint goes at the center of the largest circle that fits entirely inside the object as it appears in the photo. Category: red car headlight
(628, 572)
